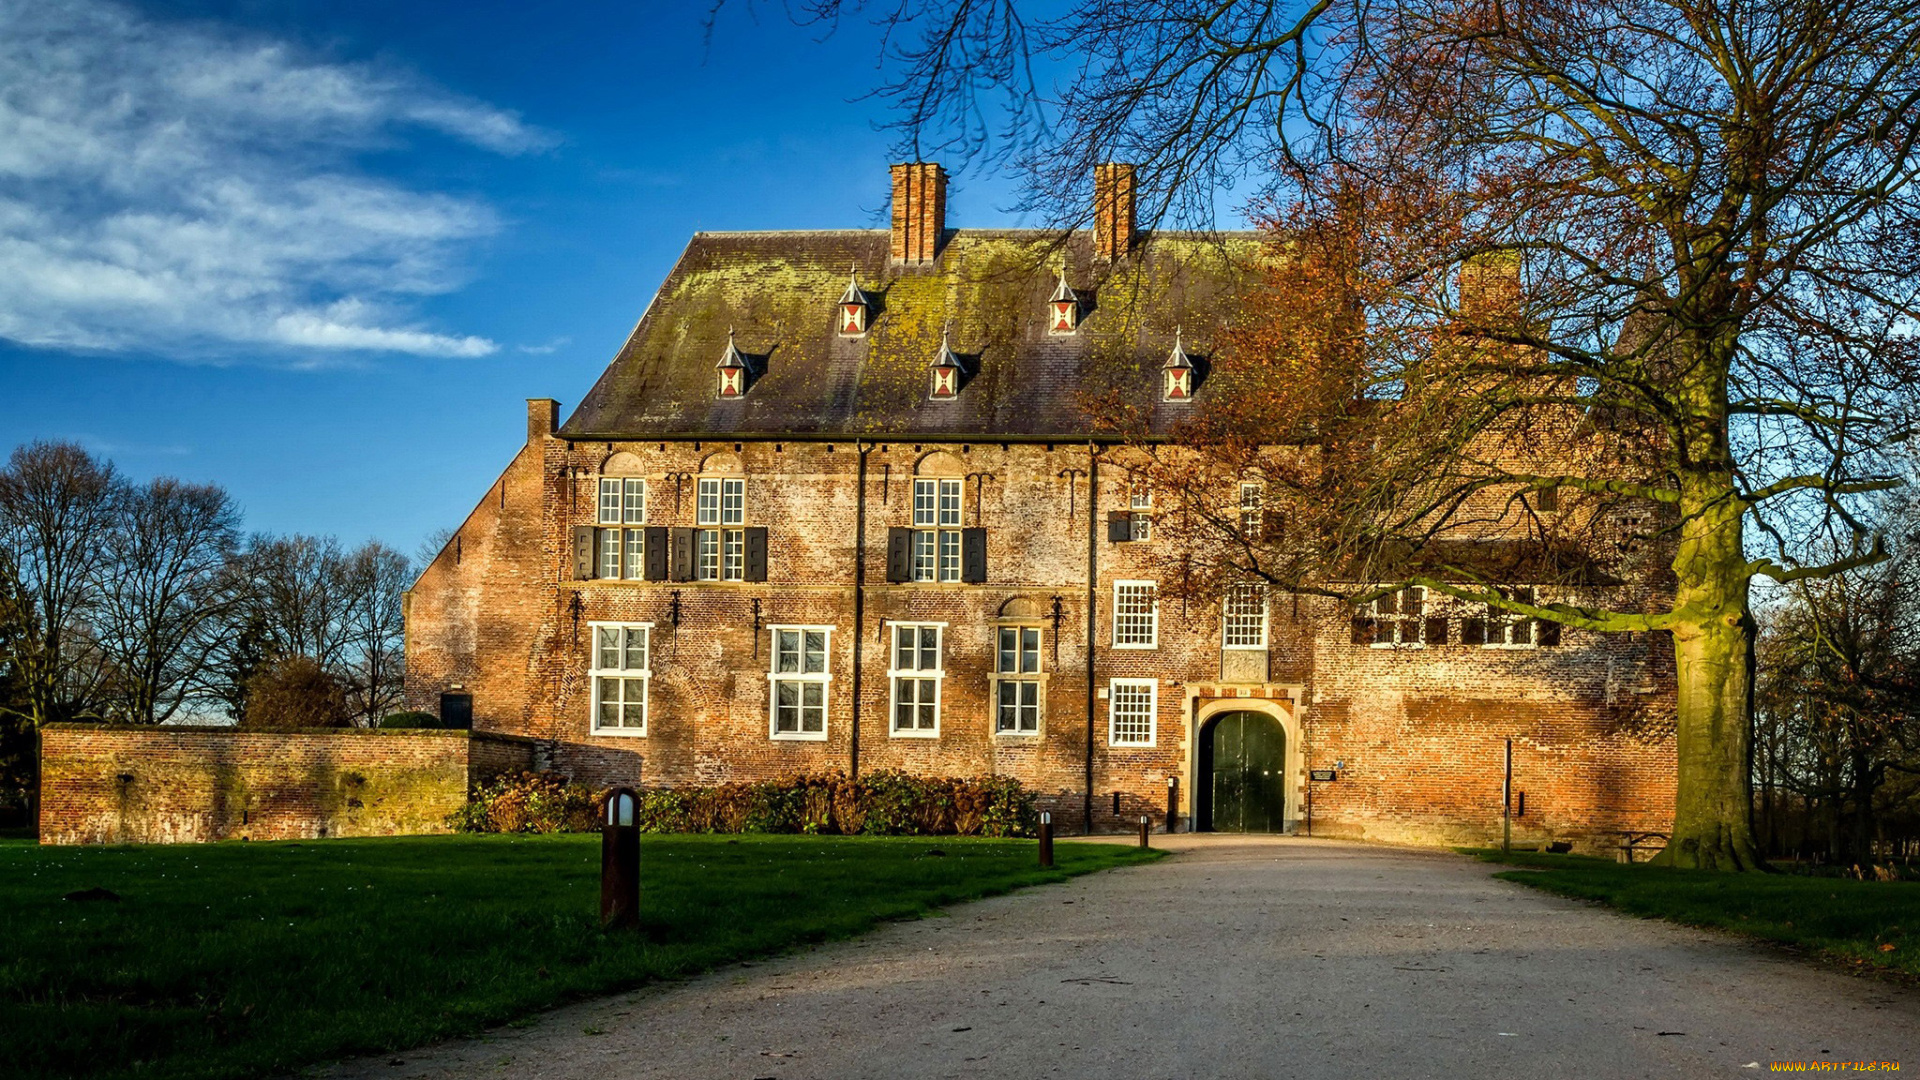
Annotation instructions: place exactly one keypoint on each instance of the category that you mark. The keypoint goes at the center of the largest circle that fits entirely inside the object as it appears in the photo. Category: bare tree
(1710, 207)
(299, 595)
(377, 577)
(57, 507)
(162, 605)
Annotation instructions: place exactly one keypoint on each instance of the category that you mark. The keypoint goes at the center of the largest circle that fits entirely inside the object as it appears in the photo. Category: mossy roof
(777, 292)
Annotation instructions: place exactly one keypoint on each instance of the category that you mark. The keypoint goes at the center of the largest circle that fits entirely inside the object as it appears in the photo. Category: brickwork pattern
(124, 785)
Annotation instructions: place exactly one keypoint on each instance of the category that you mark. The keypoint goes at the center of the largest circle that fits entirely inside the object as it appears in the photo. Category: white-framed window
(636, 553)
(1398, 620)
(1243, 616)
(720, 552)
(1140, 503)
(1132, 710)
(1253, 502)
(936, 525)
(1017, 685)
(623, 501)
(619, 672)
(797, 682)
(1136, 615)
(1510, 630)
(609, 540)
(916, 672)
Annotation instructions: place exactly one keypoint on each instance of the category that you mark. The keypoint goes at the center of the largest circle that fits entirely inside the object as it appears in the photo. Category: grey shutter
(1436, 631)
(681, 560)
(757, 553)
(899, 555)
(583, 552)
(1273, 526)
(1362, 630)
(1549, 633)
(1119, 527)
(657, 553)
(973, 556)
(1473, 631)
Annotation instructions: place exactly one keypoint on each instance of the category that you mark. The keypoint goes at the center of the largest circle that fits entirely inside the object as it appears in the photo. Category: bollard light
(620, 859)
(1173, 803)
(1046, 840)
(1144, 829)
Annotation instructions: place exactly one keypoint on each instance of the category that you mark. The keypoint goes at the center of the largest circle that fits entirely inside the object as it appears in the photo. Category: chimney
(1490, 287)
(1112, 210)
(543, 418)
(919, 210)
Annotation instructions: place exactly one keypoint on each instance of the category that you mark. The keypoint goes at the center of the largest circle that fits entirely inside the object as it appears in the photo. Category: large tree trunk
(1713, 651)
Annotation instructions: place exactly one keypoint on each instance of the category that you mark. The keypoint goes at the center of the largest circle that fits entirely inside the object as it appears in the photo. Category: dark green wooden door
(1249, 753)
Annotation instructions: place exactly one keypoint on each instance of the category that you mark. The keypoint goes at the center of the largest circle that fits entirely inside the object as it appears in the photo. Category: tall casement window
(1399, 620)
(620, 674)
(1140, 507)
(621, 552)
(1253, 500)
(1131, 709)
(797, 682)
(1243, 617)
(1017, 685)
(936, 529)
(1503, 629)
(1136, 615)
(721, 543)
(916, 674)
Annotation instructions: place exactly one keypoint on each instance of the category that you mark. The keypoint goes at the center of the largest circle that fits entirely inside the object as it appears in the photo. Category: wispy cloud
(547, 349)
(193, 190)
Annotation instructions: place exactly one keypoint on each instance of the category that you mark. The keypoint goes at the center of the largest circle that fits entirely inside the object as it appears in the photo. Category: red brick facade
(1418, 735)
(125, 784)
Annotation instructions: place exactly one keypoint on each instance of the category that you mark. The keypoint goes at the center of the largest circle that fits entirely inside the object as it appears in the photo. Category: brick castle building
(837, 504)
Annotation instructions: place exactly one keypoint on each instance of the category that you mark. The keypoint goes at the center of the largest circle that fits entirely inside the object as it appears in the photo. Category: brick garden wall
(121, 784)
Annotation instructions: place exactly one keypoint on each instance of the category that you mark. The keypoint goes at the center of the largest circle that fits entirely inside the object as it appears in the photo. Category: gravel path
(1235, 958)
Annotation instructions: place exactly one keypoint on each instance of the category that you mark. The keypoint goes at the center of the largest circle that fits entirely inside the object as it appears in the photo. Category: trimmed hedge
(878, 804)
(410, 720)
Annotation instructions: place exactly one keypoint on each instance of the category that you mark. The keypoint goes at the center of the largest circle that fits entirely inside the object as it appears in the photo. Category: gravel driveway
(1235, 958)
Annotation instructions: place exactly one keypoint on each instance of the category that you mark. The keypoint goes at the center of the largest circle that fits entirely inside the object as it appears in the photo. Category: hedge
(878, 804)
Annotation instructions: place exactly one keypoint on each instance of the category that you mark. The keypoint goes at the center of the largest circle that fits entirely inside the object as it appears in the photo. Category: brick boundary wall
(123, 784)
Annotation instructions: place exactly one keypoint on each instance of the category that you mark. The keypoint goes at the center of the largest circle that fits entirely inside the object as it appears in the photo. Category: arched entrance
(1243, 757)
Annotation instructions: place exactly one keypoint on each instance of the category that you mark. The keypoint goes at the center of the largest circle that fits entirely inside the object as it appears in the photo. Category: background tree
(1710, 205)
(377, 577)
(163, 604)
(296, 692)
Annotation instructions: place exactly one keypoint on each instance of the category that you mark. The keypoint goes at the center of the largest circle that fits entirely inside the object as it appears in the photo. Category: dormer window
(855, 306)
(1063, 308)
(1178, 373)
(948, 372)
(735, 370)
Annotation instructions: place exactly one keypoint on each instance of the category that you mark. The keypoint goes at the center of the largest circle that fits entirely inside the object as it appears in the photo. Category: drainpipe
(1093, 593)
(859, 604)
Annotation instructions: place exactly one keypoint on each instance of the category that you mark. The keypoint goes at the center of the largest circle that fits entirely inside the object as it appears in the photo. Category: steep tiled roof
(777, 292)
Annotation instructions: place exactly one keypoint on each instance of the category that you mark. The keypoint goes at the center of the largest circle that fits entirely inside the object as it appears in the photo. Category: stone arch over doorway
(1252, 728)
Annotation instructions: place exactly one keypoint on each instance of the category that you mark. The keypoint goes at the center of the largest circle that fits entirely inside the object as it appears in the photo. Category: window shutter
(1119, 527)
(1436, 631)
(682, 557)
(757, 553)
(1273, 526)
(657, 553)
(899, 555)
(1549, 632)
(973, 556)
(1362, 630)
(1473, 631)
(583, 538)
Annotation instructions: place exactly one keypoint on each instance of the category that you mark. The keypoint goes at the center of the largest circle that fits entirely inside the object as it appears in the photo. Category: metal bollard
(620, 860)
(1144, 829)
(1046, 841)
(1173, 804)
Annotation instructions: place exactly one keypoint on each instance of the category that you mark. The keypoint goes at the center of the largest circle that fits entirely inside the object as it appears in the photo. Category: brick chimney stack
(919, 210)
(543, 418)
(1113, 217)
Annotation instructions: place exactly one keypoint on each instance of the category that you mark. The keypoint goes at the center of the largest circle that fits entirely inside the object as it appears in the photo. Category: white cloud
(186, 189)
(547, 349)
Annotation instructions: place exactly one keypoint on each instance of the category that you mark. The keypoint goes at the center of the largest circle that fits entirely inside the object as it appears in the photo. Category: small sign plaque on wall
(1323, 774)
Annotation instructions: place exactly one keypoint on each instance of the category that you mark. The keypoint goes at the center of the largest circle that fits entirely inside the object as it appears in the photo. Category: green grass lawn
(236, 959)
(1863, 923)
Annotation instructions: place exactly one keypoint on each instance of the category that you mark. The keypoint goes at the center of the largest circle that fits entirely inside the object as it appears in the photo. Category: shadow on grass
(234, 959)
(1863, 924)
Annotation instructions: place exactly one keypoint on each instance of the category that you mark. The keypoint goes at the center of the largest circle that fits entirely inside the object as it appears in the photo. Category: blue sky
(320, 251)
